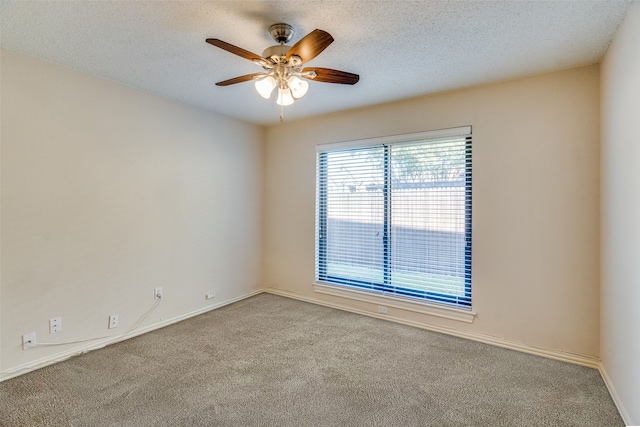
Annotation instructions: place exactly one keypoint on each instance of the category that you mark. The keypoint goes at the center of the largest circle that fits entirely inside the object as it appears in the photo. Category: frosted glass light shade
(265, 86)
(284, 97)
(298, 86)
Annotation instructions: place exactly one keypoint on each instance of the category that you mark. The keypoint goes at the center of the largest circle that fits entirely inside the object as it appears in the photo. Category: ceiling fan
(283, 64)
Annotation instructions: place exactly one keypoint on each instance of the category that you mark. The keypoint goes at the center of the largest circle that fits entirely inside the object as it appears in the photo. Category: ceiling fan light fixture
(284, 96)
(298, 87)
(265, 86)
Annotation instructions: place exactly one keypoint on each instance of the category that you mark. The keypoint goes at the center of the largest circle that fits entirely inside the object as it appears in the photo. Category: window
(393, 215)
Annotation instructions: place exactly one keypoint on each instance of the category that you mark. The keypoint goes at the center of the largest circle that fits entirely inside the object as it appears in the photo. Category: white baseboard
(103, 342)
(614, 395)
(577, 359)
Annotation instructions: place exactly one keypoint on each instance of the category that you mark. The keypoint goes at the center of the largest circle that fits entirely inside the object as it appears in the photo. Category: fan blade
(235, 49)
(239, 79)
(310, 45)
(327, 75)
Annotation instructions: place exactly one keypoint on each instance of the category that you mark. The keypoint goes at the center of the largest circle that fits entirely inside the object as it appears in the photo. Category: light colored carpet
(274, 361)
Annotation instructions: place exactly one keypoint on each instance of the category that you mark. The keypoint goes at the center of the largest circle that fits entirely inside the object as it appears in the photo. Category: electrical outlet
(382, 309)
(113, 321)
(210, 295)
(55, 325)
(157, 293)
(28, 340)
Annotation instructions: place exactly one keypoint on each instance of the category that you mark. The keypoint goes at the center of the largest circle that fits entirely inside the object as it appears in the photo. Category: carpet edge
(101, 343)
(614, 395)
(576, 359)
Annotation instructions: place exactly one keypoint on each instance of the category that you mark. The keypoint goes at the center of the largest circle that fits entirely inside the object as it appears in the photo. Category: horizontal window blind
(351, 216)
(396, 217)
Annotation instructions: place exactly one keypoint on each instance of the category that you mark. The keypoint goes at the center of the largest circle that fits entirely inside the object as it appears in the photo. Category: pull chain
(281, 114)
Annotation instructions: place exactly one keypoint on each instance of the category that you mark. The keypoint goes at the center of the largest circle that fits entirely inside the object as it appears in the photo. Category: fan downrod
(281, 32)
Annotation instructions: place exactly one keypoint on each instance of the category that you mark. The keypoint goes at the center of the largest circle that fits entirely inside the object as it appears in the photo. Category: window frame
(385, 289)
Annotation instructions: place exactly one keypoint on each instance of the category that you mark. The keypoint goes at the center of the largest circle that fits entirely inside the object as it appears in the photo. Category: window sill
(423, 307)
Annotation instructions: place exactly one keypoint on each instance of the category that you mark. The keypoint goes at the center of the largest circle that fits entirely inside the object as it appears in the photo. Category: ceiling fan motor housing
(276, 53)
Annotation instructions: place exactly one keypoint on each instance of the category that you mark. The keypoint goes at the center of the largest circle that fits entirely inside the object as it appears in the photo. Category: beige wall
(535, 203)
(108, 192)
(620, 324)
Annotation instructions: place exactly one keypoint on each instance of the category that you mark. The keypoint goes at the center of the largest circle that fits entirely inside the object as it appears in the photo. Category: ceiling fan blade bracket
(268, 65)
(309, 74)
(295, 60)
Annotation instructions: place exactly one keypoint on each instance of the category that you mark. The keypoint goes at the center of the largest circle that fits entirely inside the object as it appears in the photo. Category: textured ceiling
(399, 48)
